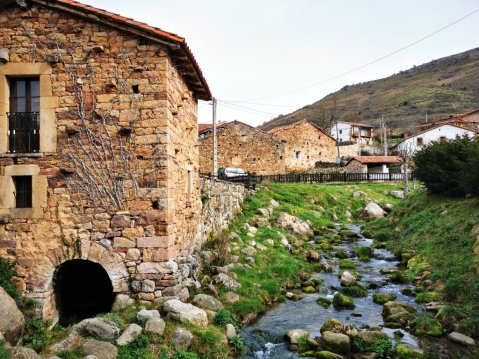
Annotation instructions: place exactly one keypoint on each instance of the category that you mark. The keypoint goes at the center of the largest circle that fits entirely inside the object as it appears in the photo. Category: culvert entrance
(82, 290)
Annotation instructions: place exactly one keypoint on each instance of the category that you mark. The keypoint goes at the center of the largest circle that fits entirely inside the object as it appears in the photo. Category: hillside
(441, 87)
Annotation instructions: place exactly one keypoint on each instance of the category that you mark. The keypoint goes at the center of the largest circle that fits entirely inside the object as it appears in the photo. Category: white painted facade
(440, 133)
(349, 132)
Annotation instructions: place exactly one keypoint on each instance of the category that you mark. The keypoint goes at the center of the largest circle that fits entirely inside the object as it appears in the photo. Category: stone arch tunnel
(82, 289)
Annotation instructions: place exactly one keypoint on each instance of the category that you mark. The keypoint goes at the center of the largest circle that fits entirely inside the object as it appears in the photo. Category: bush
(4, 353)
(450, 168)
(35, 334)
(6, 274)
(223, 317)
(136, 349)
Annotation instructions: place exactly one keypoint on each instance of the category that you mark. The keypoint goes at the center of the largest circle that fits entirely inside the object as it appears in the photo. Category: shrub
(237, 344)
(136, 349)
(451, 167)
(4, 353)
(35, 334)
(347, 264)
(185, 355)
(223, 317)
(6, 274)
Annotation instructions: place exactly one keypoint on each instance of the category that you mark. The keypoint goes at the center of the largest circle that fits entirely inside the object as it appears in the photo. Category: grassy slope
(276, 269)
(437, 231)
(440, 87)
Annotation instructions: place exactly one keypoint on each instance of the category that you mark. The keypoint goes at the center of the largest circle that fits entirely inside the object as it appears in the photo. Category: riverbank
(437, 239)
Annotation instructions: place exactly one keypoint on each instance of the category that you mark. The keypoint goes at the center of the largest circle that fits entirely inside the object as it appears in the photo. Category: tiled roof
(356, 124)
(376, 159)
(204, 126)
(180, 50)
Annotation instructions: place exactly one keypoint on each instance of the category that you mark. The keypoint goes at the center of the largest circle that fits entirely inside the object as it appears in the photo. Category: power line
(246, 108)
(251, 111)
(372, 62)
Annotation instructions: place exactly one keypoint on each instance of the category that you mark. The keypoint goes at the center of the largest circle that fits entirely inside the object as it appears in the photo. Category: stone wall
(118, 185)
(240, 145)
(221, 200)
(349, 150)
(356, 167)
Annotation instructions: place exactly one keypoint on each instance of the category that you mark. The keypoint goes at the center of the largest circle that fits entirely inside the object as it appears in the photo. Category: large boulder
(294, 225)
(205, 301)
(155, 325)
(341, 301)
(11, 319)
(186, 313)
(373, 211)
(145, 314)
(336, 342)
(397, 314)
(100, 349)
(347, 279)
(330, 325)
(100, 328)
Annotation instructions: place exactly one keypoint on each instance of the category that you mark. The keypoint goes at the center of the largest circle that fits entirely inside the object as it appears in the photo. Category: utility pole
(385, 137)
(359, 140)
(215, 142)
(338, 158)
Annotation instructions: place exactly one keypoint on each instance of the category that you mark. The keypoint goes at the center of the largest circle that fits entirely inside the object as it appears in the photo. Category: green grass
(436, 230)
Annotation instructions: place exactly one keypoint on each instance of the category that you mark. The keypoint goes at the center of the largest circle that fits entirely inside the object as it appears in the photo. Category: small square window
(420, 141)
(23, 191)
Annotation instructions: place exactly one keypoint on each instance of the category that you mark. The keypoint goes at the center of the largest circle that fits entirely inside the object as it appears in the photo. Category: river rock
(330, 325)
(293, 335)
(347, 279)
(294, 225)
(12, 320)
(186, 313)
(230, 331)
(397, 314)
(461, 339)
(181, 338)
(100, 327)
(129, 334)
(371, 338)
(145, 314)
(102, 350)
(341, 301)
(408, 351)
(227, 282)
(155, 325)
(381, 298)
(23, 353)
(205, 301)
(324, 354)
(336, 342)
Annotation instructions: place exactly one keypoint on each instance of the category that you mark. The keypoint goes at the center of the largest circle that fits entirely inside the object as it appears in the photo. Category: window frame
(23, 191)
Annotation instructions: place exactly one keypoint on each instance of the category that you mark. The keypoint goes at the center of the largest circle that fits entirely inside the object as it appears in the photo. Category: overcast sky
(256, 52)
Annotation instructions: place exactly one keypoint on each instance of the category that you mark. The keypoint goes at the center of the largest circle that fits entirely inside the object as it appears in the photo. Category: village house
(306, 146)
(469, 120)
(241, 145)
(444, 132)
(353, 132)
(98, 155)
(372, 164)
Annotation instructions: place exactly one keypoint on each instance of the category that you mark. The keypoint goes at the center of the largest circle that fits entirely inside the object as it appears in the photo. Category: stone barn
(306, 145)
(99, 190)
(241, 145)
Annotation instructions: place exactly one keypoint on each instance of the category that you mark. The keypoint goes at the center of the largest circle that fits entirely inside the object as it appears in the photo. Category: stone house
(98, 155)
(241, 145)
(469, 120)
(372, 164)
(353, 132)
(305, 145)
(442, 132)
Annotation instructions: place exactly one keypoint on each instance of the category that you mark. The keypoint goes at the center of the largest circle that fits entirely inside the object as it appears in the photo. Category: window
(420, 141)
(442, 139)
(340, 132)
(298, 155)
(23, 191)
(24, 115)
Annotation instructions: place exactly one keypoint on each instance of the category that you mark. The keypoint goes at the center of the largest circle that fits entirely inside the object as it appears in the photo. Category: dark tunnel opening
(82, 290)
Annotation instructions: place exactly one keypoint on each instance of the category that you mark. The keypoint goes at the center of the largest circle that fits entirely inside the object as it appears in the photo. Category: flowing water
(264, 338)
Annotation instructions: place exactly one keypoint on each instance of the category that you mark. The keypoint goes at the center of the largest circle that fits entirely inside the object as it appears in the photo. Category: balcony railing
(23, 132)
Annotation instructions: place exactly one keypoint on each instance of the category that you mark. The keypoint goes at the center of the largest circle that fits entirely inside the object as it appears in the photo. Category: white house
(439, 133)
(352, 132)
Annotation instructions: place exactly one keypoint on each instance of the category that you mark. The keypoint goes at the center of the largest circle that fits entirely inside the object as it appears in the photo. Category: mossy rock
(356, 291)
(408, 291)
(325, 302)
(398, 277)
(426, 297)
(372, 341)
(308, 354)
(324, 354)
(308, 283)
(427, 325)
(330, 325)
(408, 351)
(341, 301)
(381, 298)
(309, 289)
(347, 264)
(341, 255)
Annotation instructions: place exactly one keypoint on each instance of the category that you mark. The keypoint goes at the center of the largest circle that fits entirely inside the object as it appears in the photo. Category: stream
(264, 338)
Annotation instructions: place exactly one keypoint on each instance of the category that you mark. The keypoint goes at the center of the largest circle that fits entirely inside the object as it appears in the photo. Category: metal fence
(333, 177)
